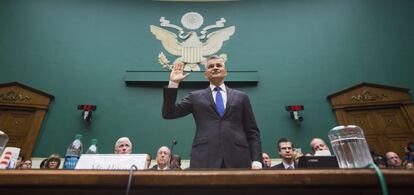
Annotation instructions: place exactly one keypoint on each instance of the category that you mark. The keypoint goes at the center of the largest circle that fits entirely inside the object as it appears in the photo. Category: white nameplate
(112, 161)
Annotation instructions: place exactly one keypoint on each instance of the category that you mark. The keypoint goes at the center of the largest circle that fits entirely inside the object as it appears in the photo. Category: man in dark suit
(285, 147)
(163, 159)
(226, 132)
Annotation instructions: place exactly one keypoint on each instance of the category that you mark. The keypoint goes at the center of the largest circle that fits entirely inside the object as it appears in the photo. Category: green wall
(304, 50)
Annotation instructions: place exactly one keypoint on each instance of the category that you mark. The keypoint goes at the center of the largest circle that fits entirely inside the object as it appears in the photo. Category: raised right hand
(177, 73)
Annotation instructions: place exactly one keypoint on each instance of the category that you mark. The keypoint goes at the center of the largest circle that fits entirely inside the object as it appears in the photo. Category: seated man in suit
(163, 159)
(285, 147)
(319, 147)
(123, 146)
(393, 160)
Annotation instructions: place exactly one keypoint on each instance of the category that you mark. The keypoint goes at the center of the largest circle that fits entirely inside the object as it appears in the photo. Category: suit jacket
(155, 168)
(233, 139)
(281, 166)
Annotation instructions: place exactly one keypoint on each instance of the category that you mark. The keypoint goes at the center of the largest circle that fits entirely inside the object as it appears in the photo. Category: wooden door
(22, 110)
(18, 124)
(385, 113)
(386, 129)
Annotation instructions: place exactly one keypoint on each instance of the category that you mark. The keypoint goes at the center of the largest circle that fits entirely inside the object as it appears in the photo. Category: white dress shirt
(223, 92)
(288, 165)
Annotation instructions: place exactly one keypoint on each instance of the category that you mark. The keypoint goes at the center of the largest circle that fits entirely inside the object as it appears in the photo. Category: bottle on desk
(93, 149)
(73, 153)
(3, 141)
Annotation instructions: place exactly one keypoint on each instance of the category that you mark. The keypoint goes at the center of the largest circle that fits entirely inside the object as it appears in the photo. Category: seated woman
(25, 164)
(53, 162)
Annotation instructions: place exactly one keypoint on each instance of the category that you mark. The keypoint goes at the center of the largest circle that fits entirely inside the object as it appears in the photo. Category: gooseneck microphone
(173, 143)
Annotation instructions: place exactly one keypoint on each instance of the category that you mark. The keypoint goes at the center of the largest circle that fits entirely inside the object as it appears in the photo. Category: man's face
(163, 156)
(266, 159)
(285, 150)
(409, 166)
(393, 159)
(123, 148)
(215, 70)
(319, 145)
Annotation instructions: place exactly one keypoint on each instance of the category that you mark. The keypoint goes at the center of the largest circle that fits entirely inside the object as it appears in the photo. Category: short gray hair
(123, 139)
(169, 151)
(213, 57)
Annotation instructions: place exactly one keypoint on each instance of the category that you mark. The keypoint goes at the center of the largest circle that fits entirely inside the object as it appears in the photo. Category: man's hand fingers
(179, 66)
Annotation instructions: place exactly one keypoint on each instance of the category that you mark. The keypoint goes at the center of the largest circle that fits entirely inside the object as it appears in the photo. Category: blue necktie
(219, 101)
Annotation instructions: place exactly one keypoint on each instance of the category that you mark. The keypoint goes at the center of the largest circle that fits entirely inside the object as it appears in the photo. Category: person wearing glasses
(285, 149)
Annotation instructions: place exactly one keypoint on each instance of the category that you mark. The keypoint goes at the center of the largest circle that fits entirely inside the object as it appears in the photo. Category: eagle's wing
(215, 40)
(168, 40)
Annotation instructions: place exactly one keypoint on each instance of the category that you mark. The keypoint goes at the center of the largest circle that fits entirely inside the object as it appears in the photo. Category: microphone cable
(381, 178)
(131, 170)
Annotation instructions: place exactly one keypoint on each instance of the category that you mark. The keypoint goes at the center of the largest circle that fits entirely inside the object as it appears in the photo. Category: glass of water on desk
(350, 147)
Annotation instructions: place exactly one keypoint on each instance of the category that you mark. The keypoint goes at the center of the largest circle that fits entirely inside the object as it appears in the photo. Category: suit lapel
(230, 97)
(209, 97)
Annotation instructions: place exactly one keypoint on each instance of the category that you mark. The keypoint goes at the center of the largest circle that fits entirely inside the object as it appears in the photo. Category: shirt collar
(165, 168)
(222, 86)
(288, 165)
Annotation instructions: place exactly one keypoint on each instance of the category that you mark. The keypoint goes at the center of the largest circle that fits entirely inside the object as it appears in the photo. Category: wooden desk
(210, 182)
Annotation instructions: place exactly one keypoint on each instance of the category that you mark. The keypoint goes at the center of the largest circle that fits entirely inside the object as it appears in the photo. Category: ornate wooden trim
(14, 96)
(367, 96)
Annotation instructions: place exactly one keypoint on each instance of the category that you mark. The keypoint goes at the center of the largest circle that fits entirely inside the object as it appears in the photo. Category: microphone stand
(173, 143)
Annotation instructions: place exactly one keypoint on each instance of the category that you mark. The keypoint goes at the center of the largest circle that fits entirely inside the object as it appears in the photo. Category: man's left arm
(252, 134)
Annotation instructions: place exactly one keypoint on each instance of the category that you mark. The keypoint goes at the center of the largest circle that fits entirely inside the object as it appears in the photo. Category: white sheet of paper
(112, 161)
(323, 153)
